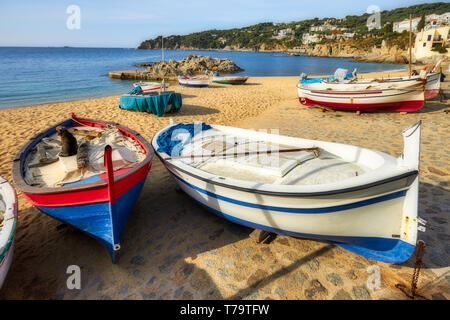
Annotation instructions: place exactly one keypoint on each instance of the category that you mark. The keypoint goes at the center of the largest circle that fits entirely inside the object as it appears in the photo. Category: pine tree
(421, 24)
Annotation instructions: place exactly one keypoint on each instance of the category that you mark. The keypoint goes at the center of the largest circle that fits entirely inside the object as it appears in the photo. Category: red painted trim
(91, 195)
(430, 94)
(391, 106)
(110, 174)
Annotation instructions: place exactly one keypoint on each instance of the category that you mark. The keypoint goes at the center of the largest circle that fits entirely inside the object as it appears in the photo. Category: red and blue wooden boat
(99, 205)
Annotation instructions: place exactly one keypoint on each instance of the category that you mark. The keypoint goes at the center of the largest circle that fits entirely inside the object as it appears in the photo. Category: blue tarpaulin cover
(156, 104)
(167, 144)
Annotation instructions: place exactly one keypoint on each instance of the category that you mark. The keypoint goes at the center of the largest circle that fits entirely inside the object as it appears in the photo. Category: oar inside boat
(192, 156)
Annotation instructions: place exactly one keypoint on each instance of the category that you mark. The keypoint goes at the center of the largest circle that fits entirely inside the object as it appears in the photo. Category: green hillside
(261, 35)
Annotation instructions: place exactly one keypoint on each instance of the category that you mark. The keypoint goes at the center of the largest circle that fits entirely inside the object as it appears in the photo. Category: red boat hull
(403, 106)
(430, 94)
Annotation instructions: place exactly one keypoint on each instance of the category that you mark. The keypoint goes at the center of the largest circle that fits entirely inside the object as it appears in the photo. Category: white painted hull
(8, 204)
(364, 100)
(193, 81)
(150, 86)
(374, 215)
(230, 79)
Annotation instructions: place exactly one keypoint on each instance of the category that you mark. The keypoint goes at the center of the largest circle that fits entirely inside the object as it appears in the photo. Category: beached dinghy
(360, 199)
(229, 79)
(93, 190)
(351, 83)
(391, 99)
(193, 82)
(8, 221)
(151, 86)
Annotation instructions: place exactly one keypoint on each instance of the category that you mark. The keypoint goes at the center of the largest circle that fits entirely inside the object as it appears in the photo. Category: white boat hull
(230, 79)
(377, 220)
(193, 82)
(151, 86)
(8, 204)
(367, 100)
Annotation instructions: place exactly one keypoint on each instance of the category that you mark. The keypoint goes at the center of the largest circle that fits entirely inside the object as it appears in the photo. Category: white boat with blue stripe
(360, 199)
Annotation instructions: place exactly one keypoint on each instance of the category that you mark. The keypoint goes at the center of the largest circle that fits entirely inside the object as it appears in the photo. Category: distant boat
(97, 199)
(229, 79)
(360, 199)
(8, 221)
(151, 86)
(193, 81)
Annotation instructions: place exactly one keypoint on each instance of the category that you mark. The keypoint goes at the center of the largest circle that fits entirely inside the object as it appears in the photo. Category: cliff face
(385, 54)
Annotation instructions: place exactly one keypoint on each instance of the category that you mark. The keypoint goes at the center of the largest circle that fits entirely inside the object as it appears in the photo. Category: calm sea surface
(32, 76)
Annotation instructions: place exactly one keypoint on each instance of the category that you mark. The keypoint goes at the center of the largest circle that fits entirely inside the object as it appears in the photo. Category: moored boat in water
(8, 222)
(93, 188)
(360, 199)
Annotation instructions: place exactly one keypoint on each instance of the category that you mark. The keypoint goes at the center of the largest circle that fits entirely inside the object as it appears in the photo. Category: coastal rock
(192, 65)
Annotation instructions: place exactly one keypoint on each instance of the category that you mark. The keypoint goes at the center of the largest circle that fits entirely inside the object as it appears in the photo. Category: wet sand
(174, 249)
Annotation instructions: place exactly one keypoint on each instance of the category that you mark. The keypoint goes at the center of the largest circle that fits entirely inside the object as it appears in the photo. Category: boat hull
(373, 214)
(100, 205)
(8, 204)
(357, 221)
(433, 86)
(230, 80)
(5, 264)
(152, 88)
(193, 82)
(389, 100)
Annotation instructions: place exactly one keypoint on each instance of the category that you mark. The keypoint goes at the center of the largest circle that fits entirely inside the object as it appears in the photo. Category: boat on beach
(402, 100)
(151, 86)
(94, 189)
(228, 79)
(360, 199)
(350, 82)
(8, 222)
(197, 82)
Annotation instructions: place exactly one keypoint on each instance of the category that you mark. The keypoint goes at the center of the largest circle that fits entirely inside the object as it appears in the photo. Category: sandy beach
(174, 249)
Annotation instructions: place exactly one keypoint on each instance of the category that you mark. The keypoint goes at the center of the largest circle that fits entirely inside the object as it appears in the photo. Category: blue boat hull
(102, 220)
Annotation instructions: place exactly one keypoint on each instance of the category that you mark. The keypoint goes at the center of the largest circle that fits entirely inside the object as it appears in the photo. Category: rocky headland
(169, 70)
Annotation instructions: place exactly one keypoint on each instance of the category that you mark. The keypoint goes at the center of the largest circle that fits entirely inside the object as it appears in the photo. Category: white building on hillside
(428, 39)
(284, 33)
(310, 38)
(401, 26)
(431, 21)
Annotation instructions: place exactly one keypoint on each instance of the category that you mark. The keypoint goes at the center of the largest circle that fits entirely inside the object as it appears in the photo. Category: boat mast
(410, 40)
(162, 47)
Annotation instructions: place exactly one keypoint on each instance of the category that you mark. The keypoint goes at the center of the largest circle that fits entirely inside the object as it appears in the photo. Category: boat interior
(245, 158)
(45, 167)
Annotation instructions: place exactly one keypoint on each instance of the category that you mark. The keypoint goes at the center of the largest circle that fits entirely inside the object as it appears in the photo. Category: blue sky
(127, 23)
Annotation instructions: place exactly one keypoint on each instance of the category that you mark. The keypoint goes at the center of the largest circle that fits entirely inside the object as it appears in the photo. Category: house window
(429, 37)
(424, 44)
